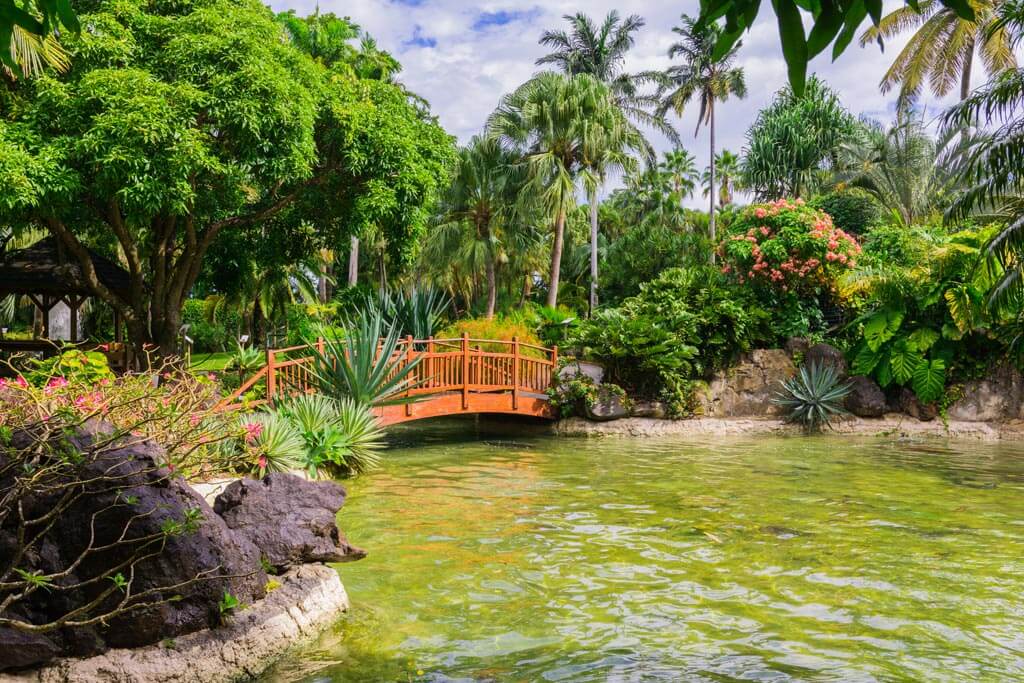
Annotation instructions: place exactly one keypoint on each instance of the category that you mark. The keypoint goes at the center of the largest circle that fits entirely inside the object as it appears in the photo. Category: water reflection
(528, 558)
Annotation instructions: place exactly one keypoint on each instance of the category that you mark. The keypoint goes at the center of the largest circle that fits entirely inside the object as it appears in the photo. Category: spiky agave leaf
(814, 397)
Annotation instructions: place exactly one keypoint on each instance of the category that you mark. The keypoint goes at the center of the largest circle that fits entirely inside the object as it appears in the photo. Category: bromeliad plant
(814, 397)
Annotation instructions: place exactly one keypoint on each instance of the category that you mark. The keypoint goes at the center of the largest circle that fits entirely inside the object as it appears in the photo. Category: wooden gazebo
(48, 275)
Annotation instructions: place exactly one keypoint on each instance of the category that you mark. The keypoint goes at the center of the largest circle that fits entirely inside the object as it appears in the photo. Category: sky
(463, 56)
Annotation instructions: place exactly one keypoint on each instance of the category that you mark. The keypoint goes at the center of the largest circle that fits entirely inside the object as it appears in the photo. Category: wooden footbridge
(450, 377)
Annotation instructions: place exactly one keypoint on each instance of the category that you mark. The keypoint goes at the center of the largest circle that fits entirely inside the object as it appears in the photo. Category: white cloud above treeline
(462, 57)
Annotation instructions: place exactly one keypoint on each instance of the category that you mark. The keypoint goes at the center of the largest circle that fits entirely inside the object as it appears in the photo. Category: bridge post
(515, 373)
(271, 375)
(465, 370)
(554, 365)
(408, 361)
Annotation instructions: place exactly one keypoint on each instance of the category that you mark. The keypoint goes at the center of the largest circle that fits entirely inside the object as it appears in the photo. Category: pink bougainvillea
(787, 245)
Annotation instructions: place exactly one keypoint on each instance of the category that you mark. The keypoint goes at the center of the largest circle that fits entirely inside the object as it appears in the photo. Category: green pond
(752, 558)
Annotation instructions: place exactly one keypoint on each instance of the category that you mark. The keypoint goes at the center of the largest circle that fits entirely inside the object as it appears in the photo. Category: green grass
(210, 362)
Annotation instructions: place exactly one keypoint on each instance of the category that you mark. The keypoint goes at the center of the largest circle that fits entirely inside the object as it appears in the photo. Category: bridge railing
(443, 366)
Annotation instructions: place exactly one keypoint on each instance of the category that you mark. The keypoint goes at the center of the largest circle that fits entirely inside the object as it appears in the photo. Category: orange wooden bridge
(450, 377)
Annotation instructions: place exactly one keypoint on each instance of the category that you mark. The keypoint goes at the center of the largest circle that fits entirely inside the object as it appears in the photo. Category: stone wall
(747, 388)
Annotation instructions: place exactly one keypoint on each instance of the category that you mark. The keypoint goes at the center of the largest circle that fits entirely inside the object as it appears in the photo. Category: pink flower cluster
(252, 431)
(787, 245)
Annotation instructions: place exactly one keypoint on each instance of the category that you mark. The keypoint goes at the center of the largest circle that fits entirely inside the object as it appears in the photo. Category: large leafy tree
(554, 121)
(706, 77)
(943, 47)
(795, 141)
(181, 125)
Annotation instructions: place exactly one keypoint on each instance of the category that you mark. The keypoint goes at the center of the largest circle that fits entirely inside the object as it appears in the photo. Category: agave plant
(814, 397)
(341, 437)
(245, 360)
(418, 313)
(279, 445)
(366, 365)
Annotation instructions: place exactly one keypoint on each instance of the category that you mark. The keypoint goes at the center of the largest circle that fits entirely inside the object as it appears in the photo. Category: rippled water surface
(767, 559)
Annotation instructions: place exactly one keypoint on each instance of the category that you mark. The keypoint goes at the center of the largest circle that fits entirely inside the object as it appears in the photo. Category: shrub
(789, 246)
(572, 395)
(682, 326)
(85, 367)
(852, 210)
(502, 328)
(211, 327)
(340, 437)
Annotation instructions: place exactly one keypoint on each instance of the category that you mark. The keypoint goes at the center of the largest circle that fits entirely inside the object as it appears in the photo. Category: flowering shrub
(175, 412)
(789, 246)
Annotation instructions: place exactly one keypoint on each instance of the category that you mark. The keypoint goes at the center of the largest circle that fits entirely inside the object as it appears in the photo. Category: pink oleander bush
(788, 246)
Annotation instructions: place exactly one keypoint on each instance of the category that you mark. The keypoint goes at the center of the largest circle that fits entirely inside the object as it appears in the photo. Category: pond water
(768, 559)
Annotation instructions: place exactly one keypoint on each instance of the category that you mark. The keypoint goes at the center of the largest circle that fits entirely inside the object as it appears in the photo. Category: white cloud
(467, 70)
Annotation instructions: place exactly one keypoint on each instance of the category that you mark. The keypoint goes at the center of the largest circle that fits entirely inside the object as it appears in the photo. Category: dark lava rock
(910, 404)
(608, 405)
(823, 355)
(20, 650)
(291, 520)
(652, 409)
(797, 346)
(129, 495)
(866, 398)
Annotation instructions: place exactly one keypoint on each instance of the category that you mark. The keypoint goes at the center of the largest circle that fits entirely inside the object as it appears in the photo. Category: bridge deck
(449, 377)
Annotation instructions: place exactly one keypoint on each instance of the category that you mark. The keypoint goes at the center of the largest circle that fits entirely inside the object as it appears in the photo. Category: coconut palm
(705, 76)
(727, 172)
(680, 168)
(554, 122)
(943, 47)
(480, 199)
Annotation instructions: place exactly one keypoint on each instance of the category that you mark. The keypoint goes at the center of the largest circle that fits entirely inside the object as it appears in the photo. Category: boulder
(747, 389)
(826, 355)
(998, 396)
(797, 346)
(291, 520)
(651, 409)
(609, 405)
(910, 404)
(866, 398)
(129, 495)
(575, 368)
(20, 650)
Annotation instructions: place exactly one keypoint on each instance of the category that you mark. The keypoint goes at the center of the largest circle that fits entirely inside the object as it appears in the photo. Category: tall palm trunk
(353, 262)
(556, 259)
(593, 250)
(492, 282)
(965, 74)
(711, 189)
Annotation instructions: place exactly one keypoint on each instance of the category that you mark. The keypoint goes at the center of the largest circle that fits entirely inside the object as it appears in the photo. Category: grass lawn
(210, 362)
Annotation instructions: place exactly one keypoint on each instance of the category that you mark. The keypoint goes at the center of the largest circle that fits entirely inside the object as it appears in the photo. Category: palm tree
(554, 122)
(600, 52)
(680, 167)
(943, 47)
(901, 167)
(706, 77)
(34, 53)
(728, 172)
(482, 197)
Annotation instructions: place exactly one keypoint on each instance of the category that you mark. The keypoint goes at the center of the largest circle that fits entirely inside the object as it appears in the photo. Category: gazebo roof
(46, 268)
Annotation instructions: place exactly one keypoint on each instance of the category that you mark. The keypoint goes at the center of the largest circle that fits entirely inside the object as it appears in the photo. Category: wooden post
(271, 383)
(515, 373)
(465, 370)
(554, 365)
(430, 363)
(408, 361)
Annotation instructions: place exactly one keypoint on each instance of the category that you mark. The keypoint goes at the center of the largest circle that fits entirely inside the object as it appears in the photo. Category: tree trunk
(711, 189)
(492, 283)
(556, 259)
(527, 289)
(322, 293)
(965, 74)
(353, 262)
(593, 250)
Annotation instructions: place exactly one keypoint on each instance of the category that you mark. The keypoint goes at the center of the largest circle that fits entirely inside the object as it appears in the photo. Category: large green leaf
(961, 307)
(865, 361)
(903, 360)
(922, 339)
(930, 380)
(881, 327)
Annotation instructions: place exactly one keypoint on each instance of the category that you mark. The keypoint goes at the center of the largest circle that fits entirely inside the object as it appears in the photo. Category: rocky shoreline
(892, 425)
(307, 602)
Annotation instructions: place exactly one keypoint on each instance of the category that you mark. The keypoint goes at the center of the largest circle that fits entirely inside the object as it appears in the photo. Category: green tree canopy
(180, 124)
